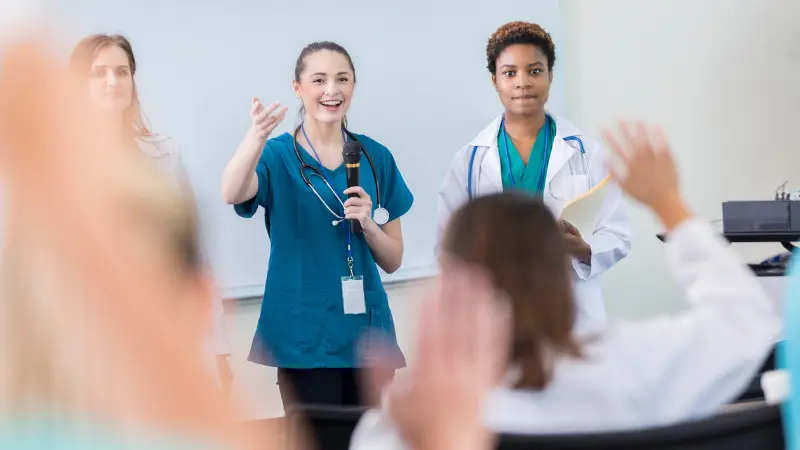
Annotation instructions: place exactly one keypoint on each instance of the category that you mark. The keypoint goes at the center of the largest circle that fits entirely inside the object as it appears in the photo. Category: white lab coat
(566, 179)
(655, 372)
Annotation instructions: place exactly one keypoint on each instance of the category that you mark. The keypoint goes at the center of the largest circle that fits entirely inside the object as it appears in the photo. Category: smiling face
(111, 79)
(326, 84)
(522, 79)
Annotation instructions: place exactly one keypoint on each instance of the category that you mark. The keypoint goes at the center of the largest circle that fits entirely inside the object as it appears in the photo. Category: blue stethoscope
(545, 157)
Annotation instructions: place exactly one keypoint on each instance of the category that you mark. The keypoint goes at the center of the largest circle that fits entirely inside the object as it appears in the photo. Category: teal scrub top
(527, 178)
(302, 323)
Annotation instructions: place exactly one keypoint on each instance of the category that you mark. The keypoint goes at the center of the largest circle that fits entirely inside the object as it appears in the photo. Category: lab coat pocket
(566, 187)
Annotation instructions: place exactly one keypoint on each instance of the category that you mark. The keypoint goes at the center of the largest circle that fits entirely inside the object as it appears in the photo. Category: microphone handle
(355, 225)
(352, 180)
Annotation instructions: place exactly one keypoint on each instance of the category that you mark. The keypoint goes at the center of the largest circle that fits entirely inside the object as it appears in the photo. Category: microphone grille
(351, 152)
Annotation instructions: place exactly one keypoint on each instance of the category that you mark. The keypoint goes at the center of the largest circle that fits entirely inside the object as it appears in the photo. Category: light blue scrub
(302, 323)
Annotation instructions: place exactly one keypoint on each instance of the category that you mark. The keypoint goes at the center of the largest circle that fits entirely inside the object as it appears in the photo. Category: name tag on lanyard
(352, 286)
(353, 295)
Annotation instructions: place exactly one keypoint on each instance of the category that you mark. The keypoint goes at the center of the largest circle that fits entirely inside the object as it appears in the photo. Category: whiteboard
(423, 91)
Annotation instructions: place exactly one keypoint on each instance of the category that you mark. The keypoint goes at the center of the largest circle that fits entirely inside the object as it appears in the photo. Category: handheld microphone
(352, 164)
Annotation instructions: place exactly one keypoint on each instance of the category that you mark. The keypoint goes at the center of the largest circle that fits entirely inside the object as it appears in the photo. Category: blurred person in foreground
(630, 375)
(100, 258)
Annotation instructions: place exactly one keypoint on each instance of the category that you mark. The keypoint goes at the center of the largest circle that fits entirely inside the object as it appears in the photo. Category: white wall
(423, 90)
(721, 77)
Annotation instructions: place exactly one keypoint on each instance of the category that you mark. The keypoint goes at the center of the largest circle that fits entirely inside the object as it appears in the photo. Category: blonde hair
(68, 345)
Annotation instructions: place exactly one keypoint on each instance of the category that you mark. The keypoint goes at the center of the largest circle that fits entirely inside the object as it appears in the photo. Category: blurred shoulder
(158, 146)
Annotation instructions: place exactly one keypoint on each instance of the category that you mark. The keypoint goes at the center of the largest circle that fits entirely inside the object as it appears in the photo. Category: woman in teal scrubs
(317, 317)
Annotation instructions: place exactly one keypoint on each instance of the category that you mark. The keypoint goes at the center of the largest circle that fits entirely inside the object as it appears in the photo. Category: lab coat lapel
(559, 157)
(490, 180)
(562, 151)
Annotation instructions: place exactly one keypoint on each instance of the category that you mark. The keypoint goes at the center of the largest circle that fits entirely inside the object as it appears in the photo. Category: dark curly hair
(519, 33)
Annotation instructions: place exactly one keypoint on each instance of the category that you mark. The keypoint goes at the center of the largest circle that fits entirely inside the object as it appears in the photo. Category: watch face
(380, 216)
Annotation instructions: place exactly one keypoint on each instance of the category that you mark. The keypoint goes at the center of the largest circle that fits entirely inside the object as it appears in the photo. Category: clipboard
(582, 211)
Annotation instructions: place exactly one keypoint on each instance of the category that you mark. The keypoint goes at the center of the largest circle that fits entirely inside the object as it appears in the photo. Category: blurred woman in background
(108, 64)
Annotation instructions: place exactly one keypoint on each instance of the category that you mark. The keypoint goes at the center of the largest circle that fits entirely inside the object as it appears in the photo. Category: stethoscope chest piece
(380, 216)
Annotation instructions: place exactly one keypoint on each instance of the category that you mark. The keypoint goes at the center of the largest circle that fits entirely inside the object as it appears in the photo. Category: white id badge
(353, 295)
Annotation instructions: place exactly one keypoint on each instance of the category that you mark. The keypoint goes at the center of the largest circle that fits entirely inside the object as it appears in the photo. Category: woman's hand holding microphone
(360, 208)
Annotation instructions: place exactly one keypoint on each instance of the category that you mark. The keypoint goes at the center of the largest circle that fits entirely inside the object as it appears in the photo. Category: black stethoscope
(380, 216)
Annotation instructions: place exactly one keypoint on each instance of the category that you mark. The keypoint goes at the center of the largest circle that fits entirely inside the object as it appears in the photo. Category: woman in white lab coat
(109, 65)
(528, 148)
(655, 372)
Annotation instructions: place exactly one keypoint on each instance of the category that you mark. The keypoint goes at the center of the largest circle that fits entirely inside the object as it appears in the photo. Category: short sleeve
(248, 208)
(397, 196)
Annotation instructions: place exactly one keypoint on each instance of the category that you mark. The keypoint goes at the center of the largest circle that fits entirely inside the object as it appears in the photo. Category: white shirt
(650, 373)
(166, 154)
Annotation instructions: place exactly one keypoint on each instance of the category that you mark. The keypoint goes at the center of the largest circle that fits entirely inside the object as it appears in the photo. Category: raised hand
(647, 171)
(649, 174)
(264, 121)
(462, 347)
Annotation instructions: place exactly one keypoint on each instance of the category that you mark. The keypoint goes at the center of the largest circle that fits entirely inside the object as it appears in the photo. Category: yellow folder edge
(590, 192)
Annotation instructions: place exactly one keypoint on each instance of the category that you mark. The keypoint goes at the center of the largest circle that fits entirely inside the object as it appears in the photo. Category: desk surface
(766, 271)
(760, 271)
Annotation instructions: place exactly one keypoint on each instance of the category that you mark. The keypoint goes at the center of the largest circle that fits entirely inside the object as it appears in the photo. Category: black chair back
(327, 427)
(751, 428)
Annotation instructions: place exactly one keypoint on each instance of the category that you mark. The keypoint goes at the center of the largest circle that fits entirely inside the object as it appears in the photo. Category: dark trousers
(342, 387)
